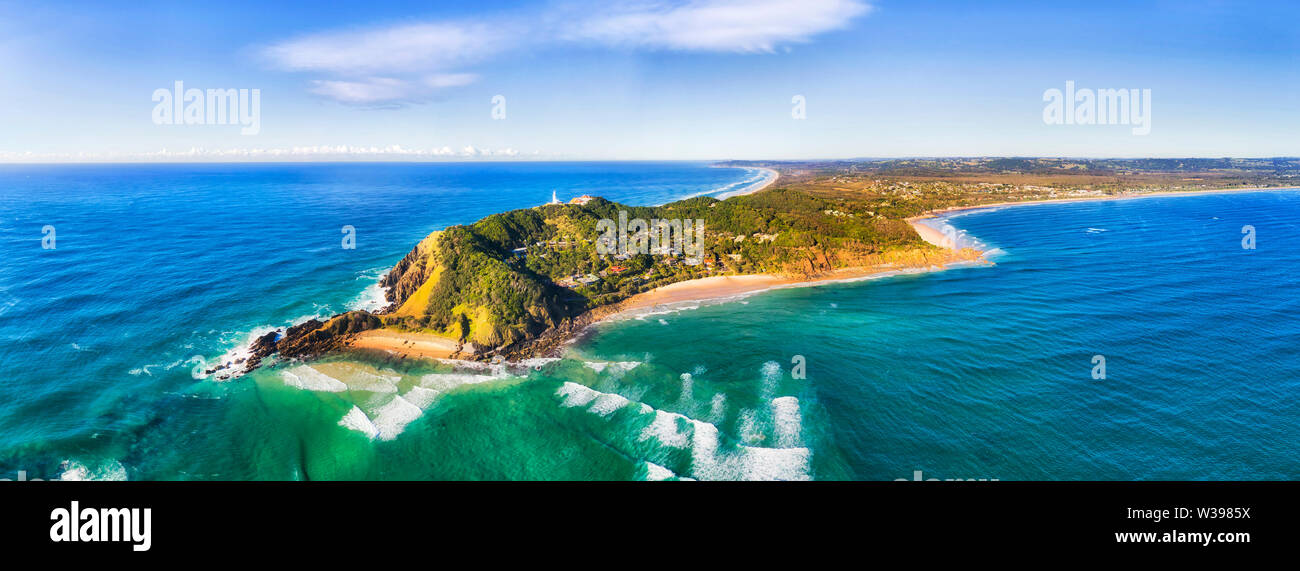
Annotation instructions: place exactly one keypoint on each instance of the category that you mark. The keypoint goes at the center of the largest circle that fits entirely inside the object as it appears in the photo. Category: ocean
(979, 372)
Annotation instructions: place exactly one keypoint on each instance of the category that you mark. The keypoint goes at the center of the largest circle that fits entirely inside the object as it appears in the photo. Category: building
(581, 200)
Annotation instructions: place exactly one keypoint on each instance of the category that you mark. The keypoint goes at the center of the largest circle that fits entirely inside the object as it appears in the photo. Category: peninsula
(520, 284)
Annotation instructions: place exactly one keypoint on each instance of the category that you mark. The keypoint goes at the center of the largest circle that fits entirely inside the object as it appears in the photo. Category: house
(581, 200)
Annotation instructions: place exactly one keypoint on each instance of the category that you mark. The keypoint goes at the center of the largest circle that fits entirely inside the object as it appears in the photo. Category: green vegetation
(510, 276)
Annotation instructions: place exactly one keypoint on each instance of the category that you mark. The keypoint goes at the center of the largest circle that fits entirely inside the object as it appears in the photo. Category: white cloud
(450, 80)
(388, 90)
(410, 48)
(366, 91)
(394, 65)
(411, 62)
(718, 25)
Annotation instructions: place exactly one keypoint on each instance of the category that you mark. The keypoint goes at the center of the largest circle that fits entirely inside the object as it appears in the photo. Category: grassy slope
(464, 282)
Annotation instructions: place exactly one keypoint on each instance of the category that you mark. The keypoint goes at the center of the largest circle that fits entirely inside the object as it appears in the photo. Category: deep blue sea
(973, 372)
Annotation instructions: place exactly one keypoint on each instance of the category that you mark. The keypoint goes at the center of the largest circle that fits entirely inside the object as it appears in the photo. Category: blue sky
(655, 79)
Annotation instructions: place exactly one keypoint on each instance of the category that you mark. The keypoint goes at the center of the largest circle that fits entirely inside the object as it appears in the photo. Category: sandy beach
(721, 287)
(405, 343)
(1123, 196)
(927, 233)
(770, 181)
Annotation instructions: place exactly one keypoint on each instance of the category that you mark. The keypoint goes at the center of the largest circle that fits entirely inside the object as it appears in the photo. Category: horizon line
(534, 159)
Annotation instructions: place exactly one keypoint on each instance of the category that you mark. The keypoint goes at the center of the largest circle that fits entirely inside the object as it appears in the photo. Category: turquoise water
(159, 268)
(975, 372)
(986, 372)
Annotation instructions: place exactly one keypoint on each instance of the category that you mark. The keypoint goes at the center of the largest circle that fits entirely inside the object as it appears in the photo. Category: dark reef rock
(312, 338)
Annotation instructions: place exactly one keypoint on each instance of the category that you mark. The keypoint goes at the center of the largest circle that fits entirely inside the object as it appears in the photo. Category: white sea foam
(392, 417)
(657, 473)
(615, 367)
(708, 462)
(378, 410)
(574, 394)
(76, 471)
(771, 372)
(359, 380)
(421, 397)
(374, 297)
(463, 364)
(607, 403)
(309, 379)
(750, 430)
(667, 430)
(663, 309)
(357, 420)
(718, 408)
(710, 458)
(234, 359)
(536, 363)
(444, 382)
(787, 422)
(772, 464)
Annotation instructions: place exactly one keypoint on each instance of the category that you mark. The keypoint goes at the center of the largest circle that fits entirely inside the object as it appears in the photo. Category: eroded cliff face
(413, 271)
(820, 261)
(458, 283)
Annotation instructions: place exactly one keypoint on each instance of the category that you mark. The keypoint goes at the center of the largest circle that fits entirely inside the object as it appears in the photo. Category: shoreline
(714, 288)
(775, 175)
(410, 344)
(1124, 196)
(936, 237)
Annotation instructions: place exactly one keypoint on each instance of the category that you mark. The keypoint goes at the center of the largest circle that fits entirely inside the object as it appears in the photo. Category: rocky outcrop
(311, 338)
